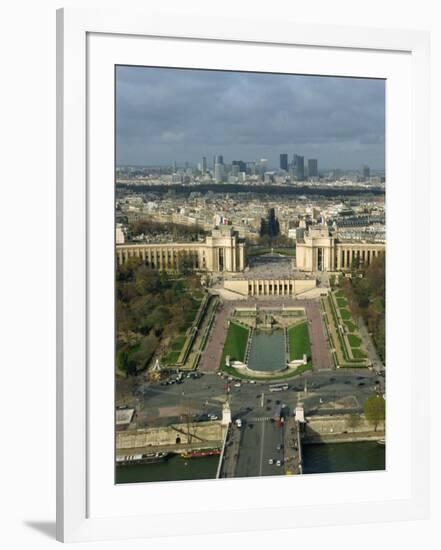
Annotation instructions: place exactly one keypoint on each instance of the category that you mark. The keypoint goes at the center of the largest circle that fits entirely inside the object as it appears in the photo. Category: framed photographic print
(239, 291)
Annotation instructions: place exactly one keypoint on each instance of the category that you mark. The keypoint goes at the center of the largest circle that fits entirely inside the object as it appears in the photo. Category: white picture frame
(82, 517)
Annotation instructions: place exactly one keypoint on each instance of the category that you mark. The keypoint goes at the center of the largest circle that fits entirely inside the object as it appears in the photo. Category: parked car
(271, 461)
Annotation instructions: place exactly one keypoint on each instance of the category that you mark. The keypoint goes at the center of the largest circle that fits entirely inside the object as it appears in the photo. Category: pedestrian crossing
(261, 419)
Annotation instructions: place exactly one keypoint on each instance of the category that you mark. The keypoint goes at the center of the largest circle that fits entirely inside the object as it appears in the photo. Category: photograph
(250, 274)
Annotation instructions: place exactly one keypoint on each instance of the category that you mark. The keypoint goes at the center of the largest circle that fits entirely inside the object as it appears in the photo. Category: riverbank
(343, 437)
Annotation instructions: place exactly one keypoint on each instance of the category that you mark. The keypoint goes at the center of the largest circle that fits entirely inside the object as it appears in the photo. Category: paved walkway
(369, 345)
(321, 357)
(212, 354)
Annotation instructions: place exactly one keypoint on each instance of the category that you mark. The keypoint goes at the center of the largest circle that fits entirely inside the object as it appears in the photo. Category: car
(252, 381)
(268, 408)
(332, 379)
(237, 385)
(278, 402)
(347, 381)
(213, 417)
(271, 461)
(361, 384)
(279, 463)
(250, 426)
(279, 447)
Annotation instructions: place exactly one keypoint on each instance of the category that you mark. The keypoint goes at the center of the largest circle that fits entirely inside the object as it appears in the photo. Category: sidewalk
(369, 345)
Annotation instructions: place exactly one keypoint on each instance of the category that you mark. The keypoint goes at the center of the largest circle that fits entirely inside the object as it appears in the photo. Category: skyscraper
(270, 226)
(298, 165)
(284, 162)
(219, 159)
(242, 165)
(204, 164)
(219, 172)
(312, 168)
(366, 171)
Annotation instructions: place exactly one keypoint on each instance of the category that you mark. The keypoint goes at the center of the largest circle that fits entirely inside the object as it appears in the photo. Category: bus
(278, 387)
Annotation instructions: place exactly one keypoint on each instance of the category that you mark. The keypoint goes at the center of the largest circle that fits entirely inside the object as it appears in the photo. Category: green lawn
(352, 327)
(178, 343)
(299, 342)
(354, 341)
(342, 303)
(172, 357)
(285, 251)
(258, 251)
(235, 344)
(345, 315)
(358, 354)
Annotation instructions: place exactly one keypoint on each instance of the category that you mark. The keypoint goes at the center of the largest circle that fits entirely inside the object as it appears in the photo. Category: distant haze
(166, 115)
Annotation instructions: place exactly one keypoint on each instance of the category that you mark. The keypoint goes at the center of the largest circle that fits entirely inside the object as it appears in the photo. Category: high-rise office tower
(219, 159)
(298, 165)
(366, 171)
(284, 162)
(312, 168)
(270, 226)
(204, 164)
(175, 168)
(241, 164)
(219, 172)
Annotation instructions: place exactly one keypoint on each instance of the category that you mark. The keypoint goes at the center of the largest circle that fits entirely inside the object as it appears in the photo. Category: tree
(354, 421)
(375, 410)
(124, 363)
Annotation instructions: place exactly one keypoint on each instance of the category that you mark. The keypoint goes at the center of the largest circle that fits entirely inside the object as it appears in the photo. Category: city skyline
(167, 115)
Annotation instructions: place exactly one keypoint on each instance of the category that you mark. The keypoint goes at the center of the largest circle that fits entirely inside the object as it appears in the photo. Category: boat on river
(198, 453)
(144, 458)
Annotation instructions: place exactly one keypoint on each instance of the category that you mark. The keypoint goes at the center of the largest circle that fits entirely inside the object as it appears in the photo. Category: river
(317, 459)
(174, 469)
(328, 458)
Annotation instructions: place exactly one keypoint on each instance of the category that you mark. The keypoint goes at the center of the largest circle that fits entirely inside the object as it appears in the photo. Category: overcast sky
(166, 115)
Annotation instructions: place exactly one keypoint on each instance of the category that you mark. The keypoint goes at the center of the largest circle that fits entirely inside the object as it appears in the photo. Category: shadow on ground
(47, 528)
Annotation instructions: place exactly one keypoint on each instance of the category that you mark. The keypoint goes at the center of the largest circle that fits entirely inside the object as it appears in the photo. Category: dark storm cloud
(174, 114)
